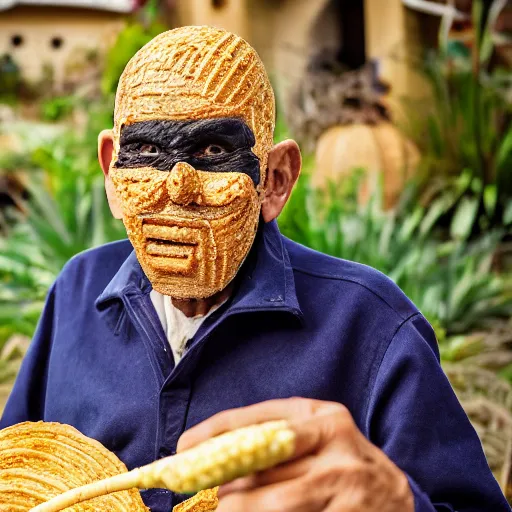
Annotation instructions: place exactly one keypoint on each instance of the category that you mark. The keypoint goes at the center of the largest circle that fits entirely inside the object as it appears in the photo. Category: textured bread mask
(193, 125)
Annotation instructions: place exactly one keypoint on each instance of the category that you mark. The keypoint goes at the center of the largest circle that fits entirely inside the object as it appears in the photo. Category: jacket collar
(265, 281)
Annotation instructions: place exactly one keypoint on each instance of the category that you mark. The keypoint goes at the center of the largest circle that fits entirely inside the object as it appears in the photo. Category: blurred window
(57, 42)
(17, 40)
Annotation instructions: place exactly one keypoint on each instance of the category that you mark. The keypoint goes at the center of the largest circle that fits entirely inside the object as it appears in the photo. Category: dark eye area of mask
(141, 150)
(215, 145)
(149, 150)
(211, 150)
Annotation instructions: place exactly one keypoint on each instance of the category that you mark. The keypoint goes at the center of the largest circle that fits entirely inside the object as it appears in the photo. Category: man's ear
(283, 169)
(105, 154)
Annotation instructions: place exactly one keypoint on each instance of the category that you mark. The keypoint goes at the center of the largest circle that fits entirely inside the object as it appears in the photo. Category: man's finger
(291, 496)
(291, 409)
(281, 473)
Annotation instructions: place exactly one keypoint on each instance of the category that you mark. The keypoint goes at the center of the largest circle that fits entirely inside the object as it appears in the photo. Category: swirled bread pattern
(39, 460)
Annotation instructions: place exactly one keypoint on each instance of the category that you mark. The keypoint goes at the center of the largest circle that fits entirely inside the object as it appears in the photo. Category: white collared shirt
(178, 327)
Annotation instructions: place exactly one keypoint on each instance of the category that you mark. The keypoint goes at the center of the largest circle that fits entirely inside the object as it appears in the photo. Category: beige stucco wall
(232, 15)
(395, 37)
(78, 29)
(301, 29)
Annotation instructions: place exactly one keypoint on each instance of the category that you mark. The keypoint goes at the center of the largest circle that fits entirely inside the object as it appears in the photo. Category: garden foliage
(465, 131)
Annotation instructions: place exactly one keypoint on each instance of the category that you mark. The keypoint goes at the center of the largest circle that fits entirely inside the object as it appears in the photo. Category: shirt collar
(129, 278)
(266, 280)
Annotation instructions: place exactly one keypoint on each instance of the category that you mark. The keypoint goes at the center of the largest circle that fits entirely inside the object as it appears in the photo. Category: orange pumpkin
(378, 148)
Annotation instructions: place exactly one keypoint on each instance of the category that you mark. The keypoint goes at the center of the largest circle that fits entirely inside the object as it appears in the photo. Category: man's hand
(334, 469)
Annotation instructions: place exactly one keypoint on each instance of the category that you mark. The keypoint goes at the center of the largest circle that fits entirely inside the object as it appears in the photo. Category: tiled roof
(105, 5)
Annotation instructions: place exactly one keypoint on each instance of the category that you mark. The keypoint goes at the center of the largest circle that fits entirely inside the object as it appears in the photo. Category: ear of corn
(223, 458)
(212, 463)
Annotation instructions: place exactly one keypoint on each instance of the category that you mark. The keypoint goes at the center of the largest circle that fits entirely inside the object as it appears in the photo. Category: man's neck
(201, 307)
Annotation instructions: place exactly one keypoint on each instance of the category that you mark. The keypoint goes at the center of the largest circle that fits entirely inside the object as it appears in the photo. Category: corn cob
(213, 462)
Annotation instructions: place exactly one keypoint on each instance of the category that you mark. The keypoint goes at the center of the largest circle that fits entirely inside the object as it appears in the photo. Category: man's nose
(183, 185)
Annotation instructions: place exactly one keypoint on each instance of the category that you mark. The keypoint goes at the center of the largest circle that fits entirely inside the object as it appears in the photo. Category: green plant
(58, 226)
(466, 135)
(10, 79)
(451, 281)
(55, 109)
(66, 213)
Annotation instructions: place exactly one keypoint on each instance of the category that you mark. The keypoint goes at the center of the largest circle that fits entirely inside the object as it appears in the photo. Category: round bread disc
(39, 460)
(203, 501)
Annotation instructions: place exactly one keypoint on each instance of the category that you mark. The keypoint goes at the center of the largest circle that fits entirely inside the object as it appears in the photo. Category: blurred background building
(44, 37)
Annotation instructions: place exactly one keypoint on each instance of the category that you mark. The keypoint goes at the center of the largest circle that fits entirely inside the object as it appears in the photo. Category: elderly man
(207, 308)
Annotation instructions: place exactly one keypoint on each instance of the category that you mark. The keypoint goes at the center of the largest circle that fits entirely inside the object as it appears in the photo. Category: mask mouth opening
(162, 247)
(167, 242)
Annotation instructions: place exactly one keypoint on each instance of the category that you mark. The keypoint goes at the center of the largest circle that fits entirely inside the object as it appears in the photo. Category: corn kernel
(232, 455)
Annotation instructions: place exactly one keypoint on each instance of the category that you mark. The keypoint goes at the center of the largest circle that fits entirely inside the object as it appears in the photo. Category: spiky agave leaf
(452, 282)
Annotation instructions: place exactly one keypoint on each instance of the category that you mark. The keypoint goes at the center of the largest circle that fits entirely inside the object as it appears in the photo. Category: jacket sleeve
(414, 416)
(26, 401)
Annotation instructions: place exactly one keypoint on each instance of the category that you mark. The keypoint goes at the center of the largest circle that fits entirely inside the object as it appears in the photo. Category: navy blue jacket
(299, 324)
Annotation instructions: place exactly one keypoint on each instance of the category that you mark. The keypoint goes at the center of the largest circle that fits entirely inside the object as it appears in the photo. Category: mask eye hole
(149, 150)
(211, 150)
